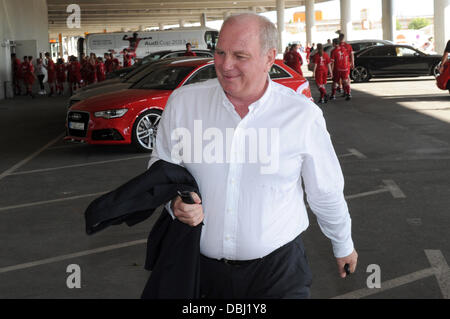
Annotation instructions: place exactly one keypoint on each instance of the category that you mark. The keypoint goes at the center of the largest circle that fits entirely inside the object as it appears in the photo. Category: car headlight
(111, 114)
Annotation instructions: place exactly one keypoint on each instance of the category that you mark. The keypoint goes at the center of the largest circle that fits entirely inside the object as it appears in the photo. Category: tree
(418, 23)
(398, 25)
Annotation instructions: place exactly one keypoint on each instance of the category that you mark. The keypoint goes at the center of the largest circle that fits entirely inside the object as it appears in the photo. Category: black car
(393, 61)
(357, 45)
(155, 56)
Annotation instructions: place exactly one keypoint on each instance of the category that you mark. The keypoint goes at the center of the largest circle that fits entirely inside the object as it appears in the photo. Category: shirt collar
(255, 105)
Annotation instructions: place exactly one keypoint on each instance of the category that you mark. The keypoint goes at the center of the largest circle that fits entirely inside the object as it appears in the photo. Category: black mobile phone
(347, 269)
(186, 197)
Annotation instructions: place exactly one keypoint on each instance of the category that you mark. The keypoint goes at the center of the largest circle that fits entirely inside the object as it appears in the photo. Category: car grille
(78, 117)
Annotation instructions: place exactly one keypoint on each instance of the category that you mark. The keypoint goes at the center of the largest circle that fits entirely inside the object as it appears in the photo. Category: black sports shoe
(348, 97)
(321, 101)
(333, 97)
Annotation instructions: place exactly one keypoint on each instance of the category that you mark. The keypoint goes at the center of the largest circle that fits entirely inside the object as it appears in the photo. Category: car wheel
(144, 130)
(435, 70)
(360, 74)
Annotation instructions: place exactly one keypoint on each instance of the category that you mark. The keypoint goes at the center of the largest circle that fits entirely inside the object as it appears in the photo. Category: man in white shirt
(249, 143)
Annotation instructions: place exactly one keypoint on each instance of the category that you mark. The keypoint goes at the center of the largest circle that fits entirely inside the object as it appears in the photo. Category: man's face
(188, 47)
(240, 65)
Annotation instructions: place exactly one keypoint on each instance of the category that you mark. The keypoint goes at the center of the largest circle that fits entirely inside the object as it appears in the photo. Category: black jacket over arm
(173, 248)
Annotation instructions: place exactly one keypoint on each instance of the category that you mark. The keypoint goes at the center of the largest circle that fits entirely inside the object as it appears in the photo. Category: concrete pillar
(226, 14)
(161, 26)
(346, 18)
(280, 24)
(181, 23)
(203, 20)
(310, 20)
(252, 9)
(388, 19)
(441, 24)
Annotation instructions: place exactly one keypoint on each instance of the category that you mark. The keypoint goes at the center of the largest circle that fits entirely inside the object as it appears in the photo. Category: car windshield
(153, 57)
(135, 75)
(164, 78)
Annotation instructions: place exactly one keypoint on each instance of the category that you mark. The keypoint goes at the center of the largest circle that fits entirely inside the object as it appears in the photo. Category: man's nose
(228, 62)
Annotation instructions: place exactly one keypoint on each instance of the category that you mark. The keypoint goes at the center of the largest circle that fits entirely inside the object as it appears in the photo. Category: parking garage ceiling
(117, 15)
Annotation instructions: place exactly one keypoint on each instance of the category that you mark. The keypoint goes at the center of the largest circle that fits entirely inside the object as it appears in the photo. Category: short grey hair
(268, 34)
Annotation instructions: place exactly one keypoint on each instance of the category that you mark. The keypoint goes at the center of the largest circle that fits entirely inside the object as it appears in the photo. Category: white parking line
(29, 158)
(382, 190)
(79, 165)
(439, 268)
(72, 145)
(353, 152)
(70, 256)
(394, 189)
(49, 201)
(390, 284)
(357, 153)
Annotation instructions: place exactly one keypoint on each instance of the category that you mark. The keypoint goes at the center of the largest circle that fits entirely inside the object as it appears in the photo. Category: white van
(142, 43)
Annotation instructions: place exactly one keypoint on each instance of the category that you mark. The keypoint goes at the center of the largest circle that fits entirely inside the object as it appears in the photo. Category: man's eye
(241, 57)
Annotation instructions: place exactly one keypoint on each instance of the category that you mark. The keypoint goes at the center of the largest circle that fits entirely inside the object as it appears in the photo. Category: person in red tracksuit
(28, 74)
(101, 71)
(84, 70)
(188, 51)
(75, 75)
(351, 64)
(108, 63)
(126, 59)
(115, 62)
(322, 66)
(60, 76)
(294, 59)
(51, 73)
(338, 82)
(340, 62)
(91, 69)
(17, 73)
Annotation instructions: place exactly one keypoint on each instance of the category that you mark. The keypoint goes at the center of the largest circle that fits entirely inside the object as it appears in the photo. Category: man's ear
(271, 55)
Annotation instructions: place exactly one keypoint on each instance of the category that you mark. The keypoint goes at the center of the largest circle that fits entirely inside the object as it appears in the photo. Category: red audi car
(132, 115)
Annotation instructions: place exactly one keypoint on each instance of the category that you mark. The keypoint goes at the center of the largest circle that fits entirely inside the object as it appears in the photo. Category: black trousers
(283, 274)
(41, 81)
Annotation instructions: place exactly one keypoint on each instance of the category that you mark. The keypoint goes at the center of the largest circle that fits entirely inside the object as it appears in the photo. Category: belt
(237, 262)
(231, 262)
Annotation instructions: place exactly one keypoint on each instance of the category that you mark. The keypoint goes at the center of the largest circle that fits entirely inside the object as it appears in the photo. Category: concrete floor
(393, 132)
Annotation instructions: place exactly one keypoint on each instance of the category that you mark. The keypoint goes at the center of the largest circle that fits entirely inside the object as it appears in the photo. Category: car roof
(164, 52)
(183, 61)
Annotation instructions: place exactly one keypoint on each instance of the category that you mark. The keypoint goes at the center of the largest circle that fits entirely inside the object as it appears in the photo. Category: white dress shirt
(252, 207)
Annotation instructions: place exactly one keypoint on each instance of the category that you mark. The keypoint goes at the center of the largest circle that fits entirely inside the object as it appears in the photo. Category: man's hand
(351, 260)
(191, 214)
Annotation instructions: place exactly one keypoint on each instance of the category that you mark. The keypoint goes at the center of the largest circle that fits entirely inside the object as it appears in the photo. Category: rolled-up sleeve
(324, 186)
